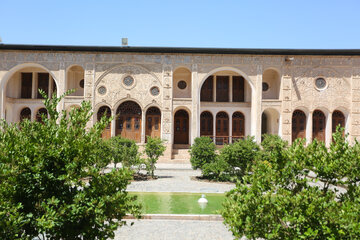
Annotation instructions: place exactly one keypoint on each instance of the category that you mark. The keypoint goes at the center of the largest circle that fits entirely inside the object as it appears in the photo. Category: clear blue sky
(195, 23)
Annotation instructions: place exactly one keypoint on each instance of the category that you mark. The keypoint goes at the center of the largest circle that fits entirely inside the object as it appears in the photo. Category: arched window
(104, 110)
(319, 125)
(206, 124)
(25, 114)
(207, 90)
(153, 122)
(222, 128)
(128, 123)
(182, 83)
(181, 127)
(338, 118)
(238, 126)
(298, 125)
(75, 80)
(271, 84)
(39, 115)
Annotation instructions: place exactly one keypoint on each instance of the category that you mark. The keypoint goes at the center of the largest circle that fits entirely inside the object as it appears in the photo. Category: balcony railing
(222, 140)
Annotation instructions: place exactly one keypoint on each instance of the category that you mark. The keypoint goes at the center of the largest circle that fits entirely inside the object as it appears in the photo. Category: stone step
(180, 156)
(176, 161)
(181, 151)
(181, 146)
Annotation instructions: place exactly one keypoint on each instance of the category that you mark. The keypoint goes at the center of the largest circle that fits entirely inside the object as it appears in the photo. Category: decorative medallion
(182, 84)
(320, 83)
(154, 91)
(128, 81)
(102, 90)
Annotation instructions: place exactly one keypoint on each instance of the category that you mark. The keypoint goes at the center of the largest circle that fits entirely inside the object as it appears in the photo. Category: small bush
(202, 152)
(240, 155)
(154, 148)
(217, 170)
(273, 150)
(124, 151)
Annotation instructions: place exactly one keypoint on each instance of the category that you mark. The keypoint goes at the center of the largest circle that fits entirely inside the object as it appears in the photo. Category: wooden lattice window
(128, 123)
(206, 124)
(238, 89)
(338, 118)
(222, 88)
(43, 83)
(238, 124)
(319, 125)
(298, 124)
(26, 85)
(207, 90)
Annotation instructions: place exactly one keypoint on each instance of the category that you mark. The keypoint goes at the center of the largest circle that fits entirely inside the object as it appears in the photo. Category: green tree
(125, 151)
(240, 155)
(52, 182)
(280, 201)
(202, 152)
(154, 148)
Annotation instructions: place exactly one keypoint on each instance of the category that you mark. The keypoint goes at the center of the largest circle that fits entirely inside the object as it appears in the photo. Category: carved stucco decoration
(335, 95)
(144, 80)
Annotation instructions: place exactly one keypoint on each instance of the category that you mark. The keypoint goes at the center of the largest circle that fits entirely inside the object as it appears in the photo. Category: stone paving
(172, 179)
(174, 230)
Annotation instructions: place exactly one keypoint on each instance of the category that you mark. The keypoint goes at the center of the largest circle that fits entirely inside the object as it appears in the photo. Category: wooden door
(222, 128)
(104, 110)
(181, 127)
(26, 85)
(319, 125)
(238, 89)
(338, 118)
(298, 125)
(43, 84)
(222, 88)
(128, 123)
(206, 124)
(238, 126)
(153, 122)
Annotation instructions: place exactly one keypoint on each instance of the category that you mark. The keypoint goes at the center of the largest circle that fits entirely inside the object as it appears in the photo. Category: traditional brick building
(182, 93)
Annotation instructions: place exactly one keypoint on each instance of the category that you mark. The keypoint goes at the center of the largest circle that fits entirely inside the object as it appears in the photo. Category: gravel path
(174, 230)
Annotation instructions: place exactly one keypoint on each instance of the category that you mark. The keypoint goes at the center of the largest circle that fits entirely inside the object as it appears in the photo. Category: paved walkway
(174, 230)
(178, 179)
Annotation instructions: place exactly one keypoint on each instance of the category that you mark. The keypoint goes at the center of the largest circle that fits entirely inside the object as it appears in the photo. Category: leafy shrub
(125, 151)
(52, 182)
(274, 150)
(202, 152)
(279, 201)
(240, 155)
(154, 148)
(218, 170)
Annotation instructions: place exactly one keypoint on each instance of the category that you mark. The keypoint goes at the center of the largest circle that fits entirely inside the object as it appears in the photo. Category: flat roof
(188, 50)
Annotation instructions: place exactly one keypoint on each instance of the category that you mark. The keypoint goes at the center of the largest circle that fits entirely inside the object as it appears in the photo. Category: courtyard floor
(176, 178)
